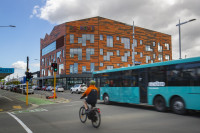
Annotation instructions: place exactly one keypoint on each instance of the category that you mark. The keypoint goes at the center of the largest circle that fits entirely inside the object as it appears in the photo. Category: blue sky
(34, 18)
(23, 40)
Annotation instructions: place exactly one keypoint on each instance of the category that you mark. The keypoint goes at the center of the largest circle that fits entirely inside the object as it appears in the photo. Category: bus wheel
(106, 99)
(178, 106)
(160, 104)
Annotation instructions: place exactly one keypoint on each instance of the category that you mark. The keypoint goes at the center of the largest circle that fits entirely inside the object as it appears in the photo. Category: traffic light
(54, 66)
(29, 75)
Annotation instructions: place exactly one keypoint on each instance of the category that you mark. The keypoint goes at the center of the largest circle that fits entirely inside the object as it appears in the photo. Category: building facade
(94, 44)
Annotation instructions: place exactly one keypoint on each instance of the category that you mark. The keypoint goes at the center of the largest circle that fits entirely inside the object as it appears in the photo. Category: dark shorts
(92, 103)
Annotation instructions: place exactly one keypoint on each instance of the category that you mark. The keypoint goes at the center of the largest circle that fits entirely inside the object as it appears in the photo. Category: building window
(148, 48)
(154, 56)
(147, 59)
(118, 64)
(83, 68)
(79, 40)
(77, 51)
(109, 67)
(71, 38)
(134, 43)
(107, 57)
(167, 57)
(51, 47)
(118, 54)
(160, 58)
(89, 51)
(151, 61)
(140, 42)
(141, 55)
(125, 57)
(109, 41)
(101, 51)
(75, 67)
(159, 48)
(117, 38)
(43, 72)
(71, 68)
(101, 64)
(101, 37)
(84, 37)
(154, 44)
(58, 56)
(61, 67)
(126, 42)
(167, 45)
(92, 38)
(92, 67)
(43, 62)
(63, 53)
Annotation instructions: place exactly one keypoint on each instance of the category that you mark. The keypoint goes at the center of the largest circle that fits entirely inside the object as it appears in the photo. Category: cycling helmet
(92, 82)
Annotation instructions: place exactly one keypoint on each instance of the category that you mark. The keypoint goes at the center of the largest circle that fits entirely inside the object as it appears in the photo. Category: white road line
(7, 98)
(21, 123)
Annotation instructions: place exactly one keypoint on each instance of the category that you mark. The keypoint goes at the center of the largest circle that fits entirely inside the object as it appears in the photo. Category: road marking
(7, 98)
(17, 107)
(21, 123)
(29, 111)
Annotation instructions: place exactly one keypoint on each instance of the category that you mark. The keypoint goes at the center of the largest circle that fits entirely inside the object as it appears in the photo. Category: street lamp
(179, 27)
(9, 26)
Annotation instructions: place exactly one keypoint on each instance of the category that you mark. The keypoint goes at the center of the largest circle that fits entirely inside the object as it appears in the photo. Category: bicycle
(94, 115)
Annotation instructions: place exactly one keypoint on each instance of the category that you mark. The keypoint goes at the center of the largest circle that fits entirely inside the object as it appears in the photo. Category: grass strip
(37, 101)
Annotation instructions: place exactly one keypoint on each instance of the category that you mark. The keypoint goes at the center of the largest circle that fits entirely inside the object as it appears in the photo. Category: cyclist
(91, 94)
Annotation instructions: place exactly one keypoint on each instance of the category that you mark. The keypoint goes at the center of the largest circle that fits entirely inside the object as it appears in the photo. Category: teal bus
(166, 85)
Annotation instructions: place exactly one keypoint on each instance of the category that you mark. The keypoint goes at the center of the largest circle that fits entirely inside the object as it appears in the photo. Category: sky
(34, 18)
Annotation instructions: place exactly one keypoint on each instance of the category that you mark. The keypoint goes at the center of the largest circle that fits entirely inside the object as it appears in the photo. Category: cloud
(158, 15)
(19, 65)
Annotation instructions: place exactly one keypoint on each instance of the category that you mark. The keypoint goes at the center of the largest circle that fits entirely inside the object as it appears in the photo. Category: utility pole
(27, 82)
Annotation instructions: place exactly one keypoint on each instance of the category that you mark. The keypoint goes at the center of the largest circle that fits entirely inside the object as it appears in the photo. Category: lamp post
(179, 27)
(9, 26)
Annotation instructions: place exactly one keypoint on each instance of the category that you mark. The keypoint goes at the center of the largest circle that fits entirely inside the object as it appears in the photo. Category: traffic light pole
(26, 84)
(54, 85)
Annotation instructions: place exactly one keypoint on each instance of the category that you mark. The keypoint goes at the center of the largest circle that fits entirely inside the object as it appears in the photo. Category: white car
(49, 88)
(59, 88)
(78, 88)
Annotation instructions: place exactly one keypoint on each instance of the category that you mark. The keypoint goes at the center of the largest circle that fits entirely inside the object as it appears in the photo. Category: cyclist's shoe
(87, 111)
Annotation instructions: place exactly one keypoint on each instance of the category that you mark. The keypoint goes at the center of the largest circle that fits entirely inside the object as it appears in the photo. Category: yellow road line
(17, 107)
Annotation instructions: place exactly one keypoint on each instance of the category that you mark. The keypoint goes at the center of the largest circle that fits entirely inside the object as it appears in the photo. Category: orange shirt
(87, 92)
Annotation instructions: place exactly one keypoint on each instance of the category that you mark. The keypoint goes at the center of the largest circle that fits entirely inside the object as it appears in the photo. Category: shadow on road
(148, 107)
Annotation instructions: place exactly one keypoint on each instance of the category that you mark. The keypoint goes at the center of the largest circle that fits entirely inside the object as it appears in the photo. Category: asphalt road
(116, 118)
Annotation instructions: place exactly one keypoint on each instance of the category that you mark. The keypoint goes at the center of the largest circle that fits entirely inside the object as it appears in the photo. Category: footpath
(11, 101)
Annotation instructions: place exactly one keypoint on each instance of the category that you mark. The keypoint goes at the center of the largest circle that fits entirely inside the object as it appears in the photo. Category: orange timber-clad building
(94, 44)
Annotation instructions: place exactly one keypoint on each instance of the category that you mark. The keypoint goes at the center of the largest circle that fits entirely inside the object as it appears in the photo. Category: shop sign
(81, 28)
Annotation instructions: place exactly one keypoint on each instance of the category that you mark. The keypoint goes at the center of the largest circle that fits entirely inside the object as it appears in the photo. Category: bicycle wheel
(82, 115)
(96, 120)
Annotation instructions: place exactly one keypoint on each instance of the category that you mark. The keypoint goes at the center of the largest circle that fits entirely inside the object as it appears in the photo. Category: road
(116, 118)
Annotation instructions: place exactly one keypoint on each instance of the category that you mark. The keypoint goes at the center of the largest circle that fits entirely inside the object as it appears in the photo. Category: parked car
(44, 88)
(22, 88)
(49, 88)
(36, 87)
(59, 88)
(14, 88)
(78, 88)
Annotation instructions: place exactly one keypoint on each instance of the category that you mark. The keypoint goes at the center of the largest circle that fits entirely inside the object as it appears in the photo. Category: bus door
(143, 83)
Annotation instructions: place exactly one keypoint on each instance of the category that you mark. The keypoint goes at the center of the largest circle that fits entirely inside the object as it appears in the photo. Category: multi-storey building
(93, 44)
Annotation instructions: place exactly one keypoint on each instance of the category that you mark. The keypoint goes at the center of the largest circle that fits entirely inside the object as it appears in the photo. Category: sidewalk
(15, 101)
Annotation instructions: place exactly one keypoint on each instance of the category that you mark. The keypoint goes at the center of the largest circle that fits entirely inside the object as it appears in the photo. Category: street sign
(6, 70)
